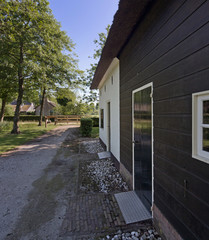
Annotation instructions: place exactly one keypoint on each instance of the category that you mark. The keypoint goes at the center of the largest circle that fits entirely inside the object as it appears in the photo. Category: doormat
(102, 155)
(132, 207)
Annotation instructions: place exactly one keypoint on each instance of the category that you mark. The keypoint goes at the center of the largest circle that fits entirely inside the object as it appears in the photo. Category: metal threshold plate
(132, 207)
(102, 155)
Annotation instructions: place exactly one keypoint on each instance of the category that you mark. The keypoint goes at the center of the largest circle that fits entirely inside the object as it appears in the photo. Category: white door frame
(133, 169)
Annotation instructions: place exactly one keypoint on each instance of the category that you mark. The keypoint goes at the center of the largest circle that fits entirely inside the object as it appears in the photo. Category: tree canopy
(92, 95)
(38, 54)
(64, 96)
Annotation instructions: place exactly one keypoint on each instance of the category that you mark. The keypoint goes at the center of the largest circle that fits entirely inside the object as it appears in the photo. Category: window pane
(206, 139)
(102, 118)
(206, 112)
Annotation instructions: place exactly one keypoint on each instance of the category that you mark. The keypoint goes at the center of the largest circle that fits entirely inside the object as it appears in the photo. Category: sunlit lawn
(28, 131)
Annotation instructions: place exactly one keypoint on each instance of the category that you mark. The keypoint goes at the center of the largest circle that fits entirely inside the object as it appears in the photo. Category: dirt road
(22, 178)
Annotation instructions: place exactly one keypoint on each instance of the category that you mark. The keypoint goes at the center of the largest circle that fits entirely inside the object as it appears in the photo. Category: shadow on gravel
(74, 198)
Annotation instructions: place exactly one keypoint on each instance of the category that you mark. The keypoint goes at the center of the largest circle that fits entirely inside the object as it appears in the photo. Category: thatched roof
(126, 18)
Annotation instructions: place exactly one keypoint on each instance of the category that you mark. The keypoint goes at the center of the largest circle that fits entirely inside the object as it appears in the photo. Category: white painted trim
(133, 172)
(143, 87)
(109, 71)
(112, 95)
(197, 125)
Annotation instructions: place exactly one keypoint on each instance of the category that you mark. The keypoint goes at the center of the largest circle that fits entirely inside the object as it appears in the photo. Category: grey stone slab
(132, 207)
(103, 155)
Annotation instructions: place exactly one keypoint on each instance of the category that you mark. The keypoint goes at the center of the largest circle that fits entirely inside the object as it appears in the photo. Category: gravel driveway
(56, 188)
(19, 169)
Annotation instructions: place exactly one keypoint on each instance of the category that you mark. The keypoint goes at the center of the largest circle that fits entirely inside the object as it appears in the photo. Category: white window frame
(197, 126)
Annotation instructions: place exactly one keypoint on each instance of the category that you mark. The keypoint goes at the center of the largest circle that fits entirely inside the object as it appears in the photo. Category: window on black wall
(201, 126)
(101, 118)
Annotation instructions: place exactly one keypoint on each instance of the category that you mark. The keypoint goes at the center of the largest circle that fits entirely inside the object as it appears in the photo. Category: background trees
(92, 95)
(37, 52)
(37, 58)
(70, 104)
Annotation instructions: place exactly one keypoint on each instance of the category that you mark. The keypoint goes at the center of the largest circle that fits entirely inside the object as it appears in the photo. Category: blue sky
(83, 20)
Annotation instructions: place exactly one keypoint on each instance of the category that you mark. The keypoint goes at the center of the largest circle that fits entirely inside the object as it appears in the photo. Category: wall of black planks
(170, 47)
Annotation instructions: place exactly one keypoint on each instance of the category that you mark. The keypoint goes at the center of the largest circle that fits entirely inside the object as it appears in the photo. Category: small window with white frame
(200, 133)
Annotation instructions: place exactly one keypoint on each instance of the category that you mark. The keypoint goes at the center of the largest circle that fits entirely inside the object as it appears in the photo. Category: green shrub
(24, 118)
(86, 127)
(8, 118)
(5, 126)
(95, 121)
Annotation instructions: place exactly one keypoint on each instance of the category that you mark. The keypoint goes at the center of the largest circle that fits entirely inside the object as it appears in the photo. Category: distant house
(153, 78)
(25, 108)
(47, 108)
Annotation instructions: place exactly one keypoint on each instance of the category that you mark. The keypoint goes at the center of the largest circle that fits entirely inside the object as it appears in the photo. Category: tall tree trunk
(41, 107)
(4, 100)
(16, 129)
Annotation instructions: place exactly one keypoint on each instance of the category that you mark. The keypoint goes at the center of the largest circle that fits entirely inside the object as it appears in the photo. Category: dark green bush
(86, 127)
(24, 118)
(95, 121)
(8, 118)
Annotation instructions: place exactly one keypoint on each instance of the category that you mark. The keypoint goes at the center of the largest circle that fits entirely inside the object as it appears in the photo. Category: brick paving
(93, 215)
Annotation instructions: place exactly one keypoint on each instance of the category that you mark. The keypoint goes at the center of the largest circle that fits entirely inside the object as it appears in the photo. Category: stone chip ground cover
(102, 176)
(140, 234)
(91, 146)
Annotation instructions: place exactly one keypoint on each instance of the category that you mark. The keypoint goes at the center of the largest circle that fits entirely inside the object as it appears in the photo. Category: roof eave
(126, 18)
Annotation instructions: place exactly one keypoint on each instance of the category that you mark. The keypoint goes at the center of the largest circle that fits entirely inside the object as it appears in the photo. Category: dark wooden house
(163, 52)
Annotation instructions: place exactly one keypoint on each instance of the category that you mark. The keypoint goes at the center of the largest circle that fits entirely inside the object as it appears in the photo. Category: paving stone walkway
(93, 215)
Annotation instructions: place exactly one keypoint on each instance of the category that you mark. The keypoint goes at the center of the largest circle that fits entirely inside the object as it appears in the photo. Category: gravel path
(18, 171)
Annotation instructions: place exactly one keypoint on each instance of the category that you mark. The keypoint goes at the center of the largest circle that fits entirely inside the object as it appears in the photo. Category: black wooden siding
(170, 48)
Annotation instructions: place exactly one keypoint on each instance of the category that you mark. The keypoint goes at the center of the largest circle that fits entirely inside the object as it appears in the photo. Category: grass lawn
(28, 131)
(95, 132)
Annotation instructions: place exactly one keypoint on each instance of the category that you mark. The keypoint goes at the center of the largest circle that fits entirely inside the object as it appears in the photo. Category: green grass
(95, 132)
(28, 131)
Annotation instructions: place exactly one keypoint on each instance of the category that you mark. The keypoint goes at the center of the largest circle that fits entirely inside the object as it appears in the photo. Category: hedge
(24, 118)
(86, 127)
(95, 121)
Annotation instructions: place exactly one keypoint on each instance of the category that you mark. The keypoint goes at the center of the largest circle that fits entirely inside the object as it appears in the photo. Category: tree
(8, 109)
(56, 67)
(64, 96)
(8, 86)
(39, 51)
(69, 103)
(92, 95)
(66, 100)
